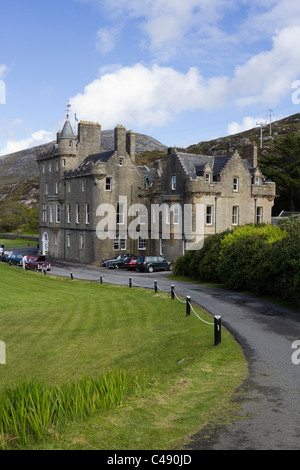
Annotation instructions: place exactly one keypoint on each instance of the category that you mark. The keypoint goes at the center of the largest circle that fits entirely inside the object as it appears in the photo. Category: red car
(38, 263)
(130, 264)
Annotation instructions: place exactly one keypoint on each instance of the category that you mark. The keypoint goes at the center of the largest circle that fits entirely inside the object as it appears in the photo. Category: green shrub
(237, 268)
(270, 233)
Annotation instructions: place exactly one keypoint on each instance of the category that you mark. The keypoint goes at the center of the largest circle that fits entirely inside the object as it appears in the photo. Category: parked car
(15, 259)
(119, 262)
(152, 263)
(38, 263)
(105, 261)
(130, 263)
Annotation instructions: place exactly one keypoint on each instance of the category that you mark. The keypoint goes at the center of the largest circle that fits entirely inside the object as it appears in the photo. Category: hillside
(19, 171)
(288, 125)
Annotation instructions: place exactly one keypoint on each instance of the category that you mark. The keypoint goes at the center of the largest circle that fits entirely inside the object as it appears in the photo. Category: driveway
(269, 417)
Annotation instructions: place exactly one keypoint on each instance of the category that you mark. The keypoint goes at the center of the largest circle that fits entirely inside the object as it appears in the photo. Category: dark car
(38, 263)
(153, 263)
(119, 262)
(105, 261)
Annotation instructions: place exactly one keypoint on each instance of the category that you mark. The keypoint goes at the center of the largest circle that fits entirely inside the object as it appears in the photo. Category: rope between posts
(208, 323)
(182, 301)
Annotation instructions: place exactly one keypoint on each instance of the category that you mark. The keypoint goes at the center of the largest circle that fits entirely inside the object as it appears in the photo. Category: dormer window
(173, 183)
(257, 180)
(207, 177)
(70, 144)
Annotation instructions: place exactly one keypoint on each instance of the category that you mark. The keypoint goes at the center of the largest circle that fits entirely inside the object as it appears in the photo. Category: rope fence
(189, 306)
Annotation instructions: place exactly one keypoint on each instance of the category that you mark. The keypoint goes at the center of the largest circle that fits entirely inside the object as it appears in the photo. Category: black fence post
(217, 329)
(155, 286)
(172, 292)
(188, 305)
(71, 274)
(101, 280)
(130, 282)
(44, 271)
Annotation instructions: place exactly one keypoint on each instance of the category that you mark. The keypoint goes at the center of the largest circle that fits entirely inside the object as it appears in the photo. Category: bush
(237, 267)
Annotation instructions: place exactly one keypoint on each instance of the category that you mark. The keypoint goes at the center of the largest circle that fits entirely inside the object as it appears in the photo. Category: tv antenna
(261, 124)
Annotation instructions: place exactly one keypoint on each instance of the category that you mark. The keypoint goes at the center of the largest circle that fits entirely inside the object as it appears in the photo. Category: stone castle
(90, 198)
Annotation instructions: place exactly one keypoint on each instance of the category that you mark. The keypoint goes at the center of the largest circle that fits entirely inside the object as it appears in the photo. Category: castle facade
(95, 204)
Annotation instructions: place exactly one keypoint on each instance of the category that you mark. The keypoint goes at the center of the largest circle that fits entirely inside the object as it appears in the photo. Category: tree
(283, 167)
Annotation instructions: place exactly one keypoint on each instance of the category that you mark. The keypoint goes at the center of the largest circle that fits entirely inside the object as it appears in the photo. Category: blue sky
(180, 71)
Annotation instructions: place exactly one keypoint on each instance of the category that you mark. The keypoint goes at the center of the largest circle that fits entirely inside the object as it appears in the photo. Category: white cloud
(140, 95)
(106, 39)
(248, 123)
(3, 70)
(36, 138)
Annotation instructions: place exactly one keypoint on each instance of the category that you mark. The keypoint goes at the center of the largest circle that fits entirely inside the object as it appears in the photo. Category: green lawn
(17, 243)
(56, 329)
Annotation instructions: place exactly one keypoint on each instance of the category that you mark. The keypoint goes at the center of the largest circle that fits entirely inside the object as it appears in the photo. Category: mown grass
(58, 331)
(16, 243)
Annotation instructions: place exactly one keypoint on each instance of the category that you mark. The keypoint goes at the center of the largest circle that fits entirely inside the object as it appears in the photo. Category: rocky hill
(234, 142)
(19, 171)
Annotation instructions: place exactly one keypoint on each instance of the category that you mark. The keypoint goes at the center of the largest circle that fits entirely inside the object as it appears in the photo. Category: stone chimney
(250, 153)
(120, 140)
(130, 144)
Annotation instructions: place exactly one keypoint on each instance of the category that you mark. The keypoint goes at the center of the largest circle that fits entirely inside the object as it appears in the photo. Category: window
(209, 215)
(69, 186)
(43, 167)
(56, 238)
(121, 161)
(168, 215)
(120, 214)
(64, 162)
(176, 215)
(56, 165)
(68, 240)
(117, 243)
(259, 215)
(46, 188)
(44, 213)
(57, 212)
(82, 186)
(69, 213)
(108, 184)
(173, 183)
(143, 215)
(207, 177)
(56, 187)
(257, 180)
(77, 213)
(49, 167)
(235, 184)
(81, 241)
(87, 213)
(70, 144)
(50, 213)
(235, 215)
(142, 243)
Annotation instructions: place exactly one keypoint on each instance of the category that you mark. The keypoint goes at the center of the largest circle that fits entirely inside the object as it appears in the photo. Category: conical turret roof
(67, 131)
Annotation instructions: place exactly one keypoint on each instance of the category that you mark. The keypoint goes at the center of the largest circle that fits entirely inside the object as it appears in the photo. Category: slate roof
(67, 131)
(194, 164)
(97, 157)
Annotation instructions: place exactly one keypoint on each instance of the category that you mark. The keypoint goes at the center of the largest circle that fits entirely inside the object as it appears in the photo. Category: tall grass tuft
(30, 409)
